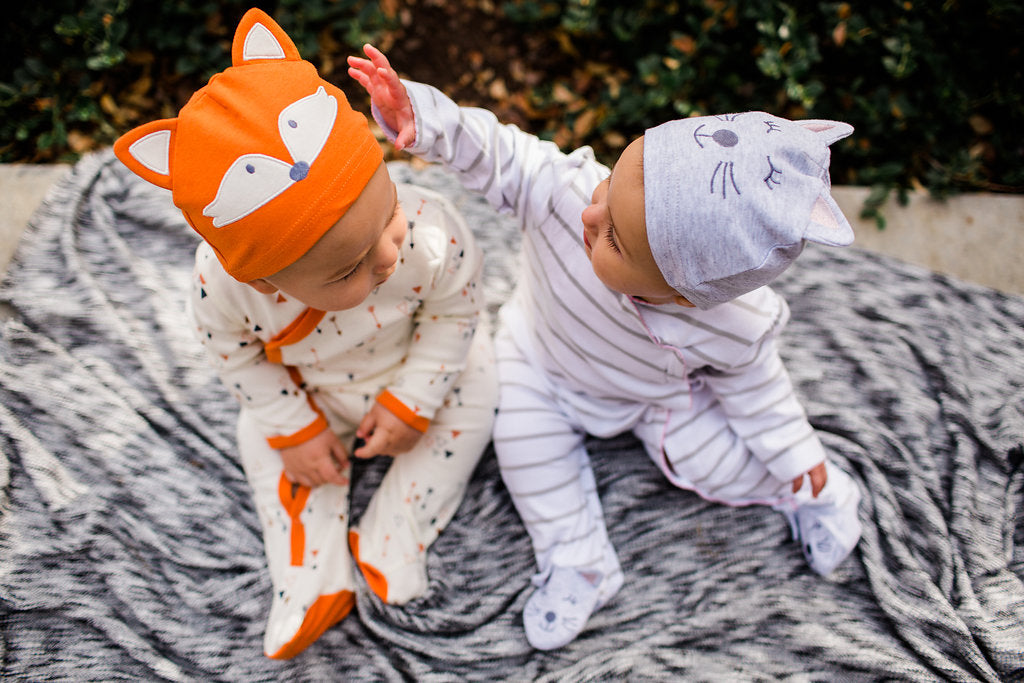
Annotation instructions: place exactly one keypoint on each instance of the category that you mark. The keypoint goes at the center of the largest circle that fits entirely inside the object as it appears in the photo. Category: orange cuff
(309, 431)
(302, 436)
(402, 412)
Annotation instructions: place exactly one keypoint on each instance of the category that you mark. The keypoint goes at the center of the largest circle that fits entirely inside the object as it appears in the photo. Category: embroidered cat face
(730, 200)
(727, 140)
(262, 160)
(557, 620)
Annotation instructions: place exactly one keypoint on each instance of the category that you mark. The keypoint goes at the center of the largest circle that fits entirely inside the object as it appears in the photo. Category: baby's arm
(515, 171)
(757, 395)
(445, 320)
(281, 410)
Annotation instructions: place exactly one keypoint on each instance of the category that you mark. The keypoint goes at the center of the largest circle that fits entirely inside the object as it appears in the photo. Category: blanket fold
(129, 547)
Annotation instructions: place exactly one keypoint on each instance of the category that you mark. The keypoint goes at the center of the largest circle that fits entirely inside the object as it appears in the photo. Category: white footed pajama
(705, 390)
(308, 533)
(419, 346)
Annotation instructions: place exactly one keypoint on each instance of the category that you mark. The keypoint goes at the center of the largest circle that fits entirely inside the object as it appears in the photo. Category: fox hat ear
(146, 150)
(258, 37)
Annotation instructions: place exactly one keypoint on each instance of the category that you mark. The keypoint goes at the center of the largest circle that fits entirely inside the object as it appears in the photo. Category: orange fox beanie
(264, 159)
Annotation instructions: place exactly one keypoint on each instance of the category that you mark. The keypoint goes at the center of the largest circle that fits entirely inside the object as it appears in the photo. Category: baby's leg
(696, 449)
(423, 488)
(304, 535)
(547, 471)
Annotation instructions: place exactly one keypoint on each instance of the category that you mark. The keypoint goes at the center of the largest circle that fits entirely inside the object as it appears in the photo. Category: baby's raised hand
(387, 92)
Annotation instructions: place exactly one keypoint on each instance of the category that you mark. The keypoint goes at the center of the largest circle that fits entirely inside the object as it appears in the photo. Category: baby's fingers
(332, 474)
(376, 56)
(359, 77)
(405, 137)
(363, 70)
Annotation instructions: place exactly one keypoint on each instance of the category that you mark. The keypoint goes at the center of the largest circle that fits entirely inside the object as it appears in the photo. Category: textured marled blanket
(129, 548)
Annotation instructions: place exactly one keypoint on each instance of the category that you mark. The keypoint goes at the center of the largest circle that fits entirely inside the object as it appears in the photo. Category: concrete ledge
(22, 188)
(975, 237)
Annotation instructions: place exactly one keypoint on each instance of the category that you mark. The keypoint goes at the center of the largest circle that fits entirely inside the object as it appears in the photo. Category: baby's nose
(589, 215)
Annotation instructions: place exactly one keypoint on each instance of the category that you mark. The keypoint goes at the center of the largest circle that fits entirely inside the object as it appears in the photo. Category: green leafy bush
(934, 89)
(76, 74)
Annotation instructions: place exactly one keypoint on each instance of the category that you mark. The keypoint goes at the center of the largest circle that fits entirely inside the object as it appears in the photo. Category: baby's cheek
(603, 270)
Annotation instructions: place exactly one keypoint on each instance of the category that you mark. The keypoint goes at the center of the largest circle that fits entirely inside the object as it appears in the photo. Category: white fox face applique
(254, 179)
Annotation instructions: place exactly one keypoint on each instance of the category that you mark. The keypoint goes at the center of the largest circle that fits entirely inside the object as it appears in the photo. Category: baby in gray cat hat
(643, 305)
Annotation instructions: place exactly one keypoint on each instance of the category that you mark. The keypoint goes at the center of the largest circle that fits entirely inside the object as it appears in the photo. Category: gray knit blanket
(130, 549)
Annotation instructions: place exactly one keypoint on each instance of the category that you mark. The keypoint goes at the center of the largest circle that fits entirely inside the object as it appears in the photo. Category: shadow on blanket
(129, 548)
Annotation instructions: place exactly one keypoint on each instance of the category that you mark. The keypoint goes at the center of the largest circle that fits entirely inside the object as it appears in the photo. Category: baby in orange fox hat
(335, 306)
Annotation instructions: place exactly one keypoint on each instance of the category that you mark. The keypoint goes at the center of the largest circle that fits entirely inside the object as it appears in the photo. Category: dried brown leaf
(498, 90)
(79, 142)
(839, 34)
(108, 104)
(585, 123)
(561, 94)
(685, 44)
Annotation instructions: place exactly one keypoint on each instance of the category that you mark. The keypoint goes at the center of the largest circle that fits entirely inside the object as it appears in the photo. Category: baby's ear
(258, 37)
(828, 131)
(262, 286)
(146, 150)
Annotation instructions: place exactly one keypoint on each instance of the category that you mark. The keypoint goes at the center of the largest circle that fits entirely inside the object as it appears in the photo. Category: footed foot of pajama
(828, 533)
(395, 575)
(310, 566)
(300, 614)
(305, 533)
(558, 611)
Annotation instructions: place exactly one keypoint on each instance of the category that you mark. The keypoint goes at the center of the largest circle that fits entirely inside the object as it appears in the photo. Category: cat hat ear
(730, 200)
(264, 159)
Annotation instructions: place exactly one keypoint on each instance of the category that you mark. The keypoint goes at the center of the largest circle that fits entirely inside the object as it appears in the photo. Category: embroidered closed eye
(773, 175)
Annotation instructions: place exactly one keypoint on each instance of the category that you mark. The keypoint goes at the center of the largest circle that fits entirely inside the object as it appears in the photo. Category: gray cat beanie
(730, 200)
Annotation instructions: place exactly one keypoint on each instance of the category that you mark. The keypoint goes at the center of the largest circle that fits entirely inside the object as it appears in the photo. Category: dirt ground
(475, 55)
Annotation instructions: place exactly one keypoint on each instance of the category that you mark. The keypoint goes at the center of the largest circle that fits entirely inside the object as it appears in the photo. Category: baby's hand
(321, 460)
(819, 477)
(384, 434)
(387, 92)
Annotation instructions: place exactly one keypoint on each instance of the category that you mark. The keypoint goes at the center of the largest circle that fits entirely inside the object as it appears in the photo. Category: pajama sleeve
(758, 399)
(284, 414)
(447, 317)
(518, 173)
